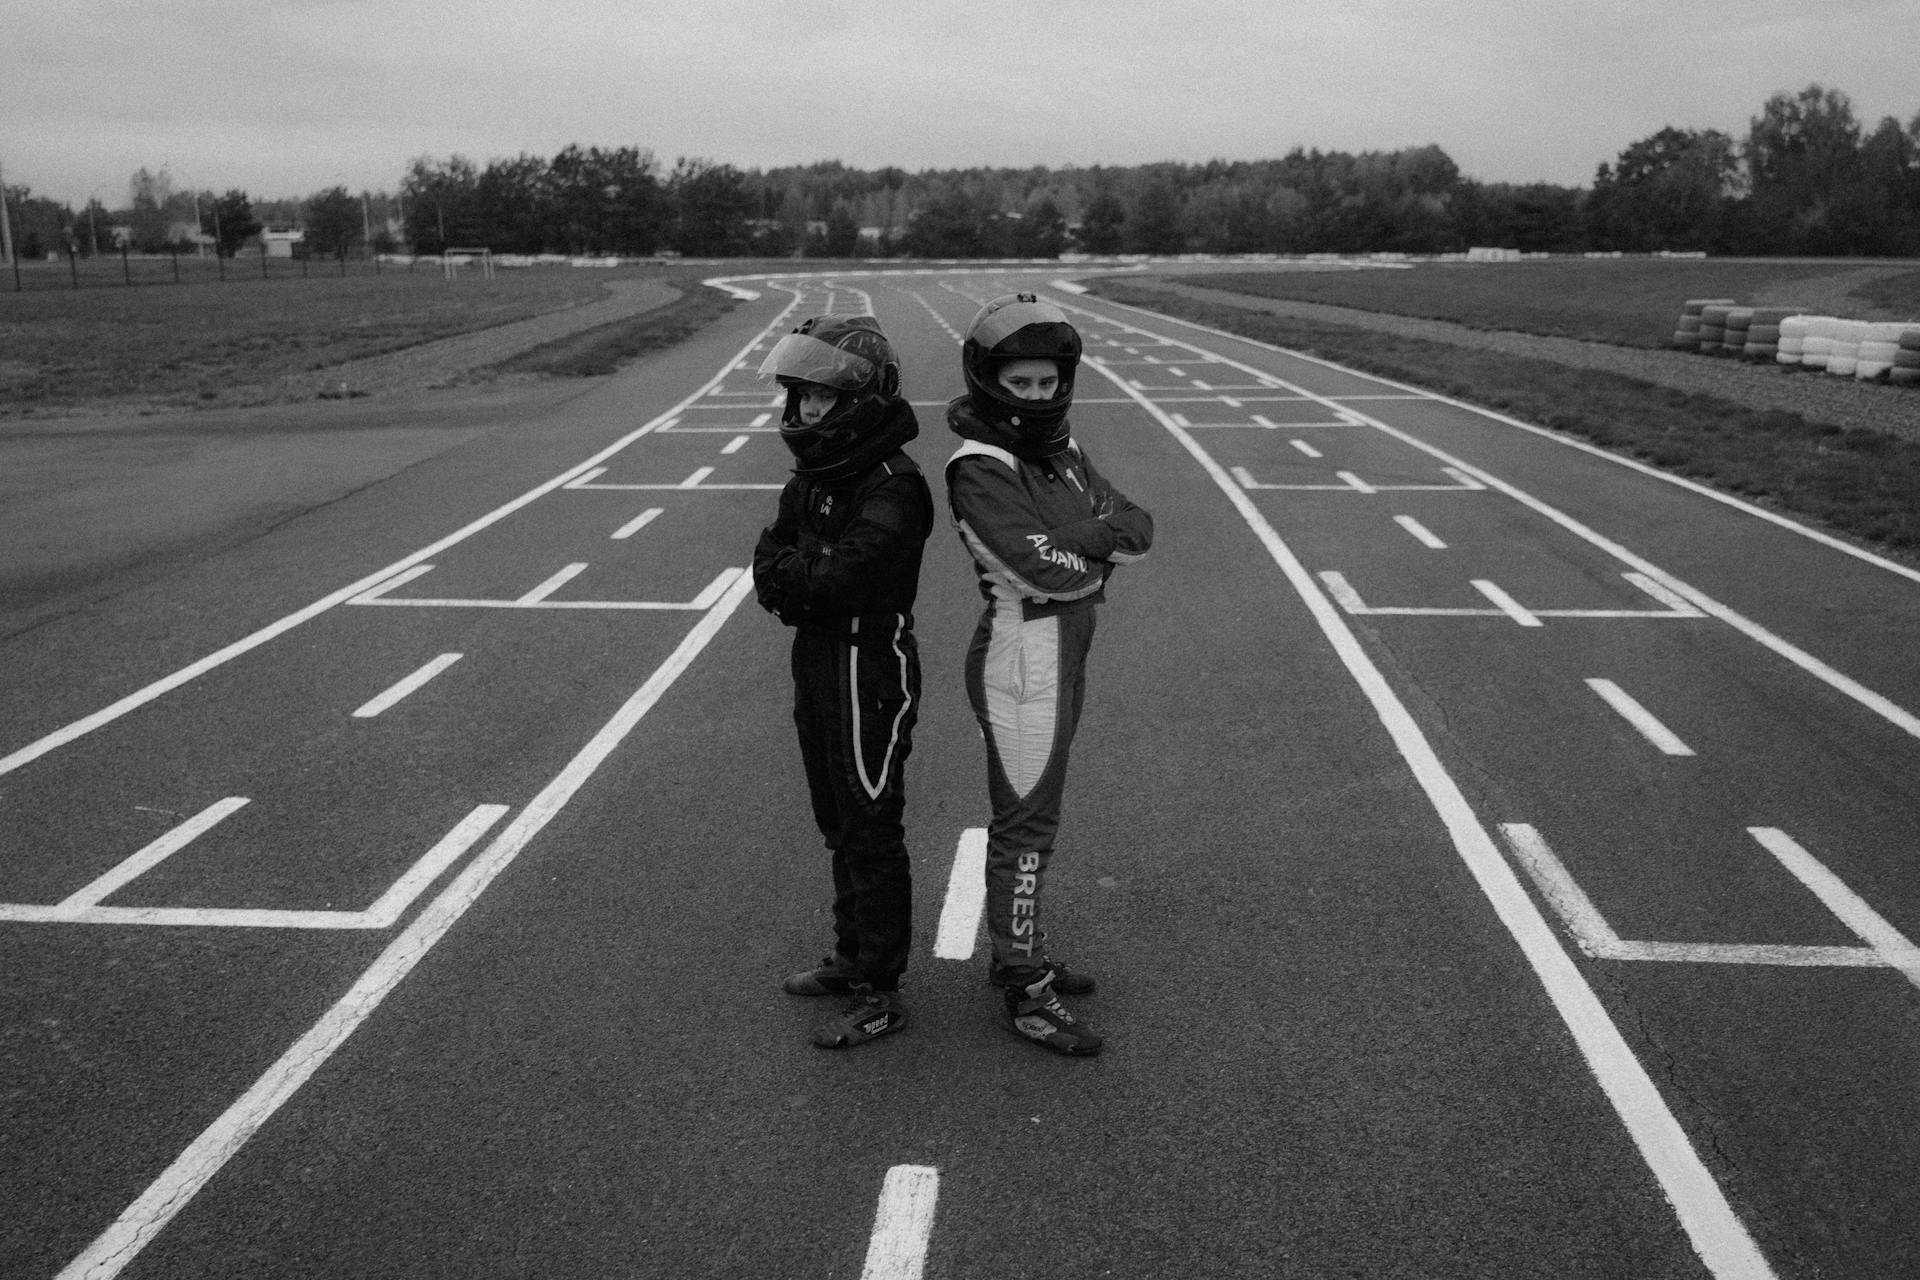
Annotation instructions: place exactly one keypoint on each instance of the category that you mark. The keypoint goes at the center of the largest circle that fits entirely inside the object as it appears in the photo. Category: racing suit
(841, 565)
(1045, 534)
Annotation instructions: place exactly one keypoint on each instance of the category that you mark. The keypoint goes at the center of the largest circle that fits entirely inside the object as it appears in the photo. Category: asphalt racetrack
(1498, 860)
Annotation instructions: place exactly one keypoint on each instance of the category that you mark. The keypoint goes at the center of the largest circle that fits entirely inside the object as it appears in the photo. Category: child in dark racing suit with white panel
(1045, 530)
(841, 565)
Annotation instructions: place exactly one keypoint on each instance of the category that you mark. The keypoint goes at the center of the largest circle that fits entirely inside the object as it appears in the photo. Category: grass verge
(1626, 302)
(601, 350)
(1862, 483)
(177, 343)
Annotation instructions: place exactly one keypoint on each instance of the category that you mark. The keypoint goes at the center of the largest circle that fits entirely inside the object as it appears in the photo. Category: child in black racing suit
(841, 565)
(1045, 530)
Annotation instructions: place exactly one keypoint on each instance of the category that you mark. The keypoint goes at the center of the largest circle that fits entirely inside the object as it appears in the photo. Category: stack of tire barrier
(1793, 340)
(1819, 344)
(1764, 335)
(1713, 327)
(1879, 347)
(1734, 339)
(1869, 351)
(1843, 358)
(1686, 334)
(1906, 359)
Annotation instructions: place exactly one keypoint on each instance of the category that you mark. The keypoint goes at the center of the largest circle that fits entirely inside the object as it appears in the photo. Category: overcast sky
(283, 98)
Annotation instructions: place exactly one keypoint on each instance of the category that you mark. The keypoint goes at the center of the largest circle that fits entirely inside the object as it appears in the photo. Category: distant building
(187, 233)
(279, 241)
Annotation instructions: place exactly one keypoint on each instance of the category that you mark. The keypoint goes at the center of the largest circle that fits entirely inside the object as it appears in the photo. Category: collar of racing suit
(896, 427)
(965, 420)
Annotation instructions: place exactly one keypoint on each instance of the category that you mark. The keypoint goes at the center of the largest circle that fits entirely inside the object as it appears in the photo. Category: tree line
(1807, 178)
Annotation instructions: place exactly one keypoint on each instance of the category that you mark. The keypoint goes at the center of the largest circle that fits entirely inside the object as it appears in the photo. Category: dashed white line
(406, 686)
(966, 898)
(734, 445)
(638, 523)
(1715, 1230)
(1640, 718)
(116, 1247)
(1420, 532)
(693, 481)
(1303, 447)
(903, 1224)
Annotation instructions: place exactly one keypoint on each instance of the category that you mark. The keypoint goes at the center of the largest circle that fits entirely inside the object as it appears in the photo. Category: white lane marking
(1181, 418)
(148, 858)
(379, 597)
(761, 420)
(140, 697)
(1679, 607)
(1718, 1236)
(733, 445)
(903, 1224)
(182, 1180)
(381, 915)
(1355, 482)
(1879, 704)
(1420, 531)
(1350, 600)
(966, 897)
(1266, 422)
(693, 481)
(552, 584)
(1230, 402)
(1888, 942)
(1305, 448)
(586, 478)
(1640, 718)
(638, 523)
(406, 686)
(1594, 936)
(1506, 603)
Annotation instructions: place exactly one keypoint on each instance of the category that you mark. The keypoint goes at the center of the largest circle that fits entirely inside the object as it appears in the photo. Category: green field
(175, 344)
(1624, 301)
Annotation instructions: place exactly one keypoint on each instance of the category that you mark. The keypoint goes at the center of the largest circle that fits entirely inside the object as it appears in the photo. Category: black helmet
(1018, 326)
(850, 355)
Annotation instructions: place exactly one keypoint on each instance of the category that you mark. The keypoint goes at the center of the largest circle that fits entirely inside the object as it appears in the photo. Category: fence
(131, 270)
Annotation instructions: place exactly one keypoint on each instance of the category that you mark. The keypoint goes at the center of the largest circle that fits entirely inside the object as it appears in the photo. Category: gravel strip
(1819, 397)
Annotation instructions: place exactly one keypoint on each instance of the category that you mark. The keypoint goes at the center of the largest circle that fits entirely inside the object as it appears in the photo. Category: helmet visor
(997, 324)
(805, 358)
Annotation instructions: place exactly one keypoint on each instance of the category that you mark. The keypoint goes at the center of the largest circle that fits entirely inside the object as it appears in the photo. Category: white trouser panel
(1022, 684)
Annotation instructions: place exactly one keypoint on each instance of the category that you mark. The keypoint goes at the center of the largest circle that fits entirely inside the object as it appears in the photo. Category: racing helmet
(850, 355)
(1019, 326)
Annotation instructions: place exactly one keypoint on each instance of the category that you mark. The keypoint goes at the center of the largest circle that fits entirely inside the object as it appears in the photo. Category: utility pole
(6, 224)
